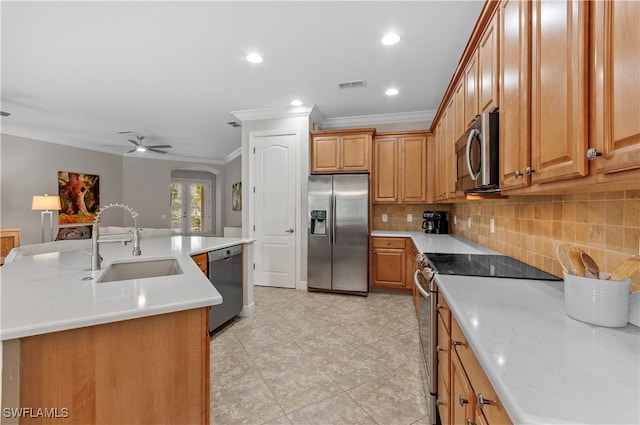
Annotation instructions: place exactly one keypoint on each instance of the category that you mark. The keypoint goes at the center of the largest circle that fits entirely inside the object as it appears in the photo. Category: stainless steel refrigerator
(338, 226)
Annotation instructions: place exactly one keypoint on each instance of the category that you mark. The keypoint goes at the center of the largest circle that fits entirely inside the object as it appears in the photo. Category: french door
(191, 207)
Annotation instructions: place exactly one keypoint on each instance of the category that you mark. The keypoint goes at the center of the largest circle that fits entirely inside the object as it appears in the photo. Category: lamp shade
(46, 202)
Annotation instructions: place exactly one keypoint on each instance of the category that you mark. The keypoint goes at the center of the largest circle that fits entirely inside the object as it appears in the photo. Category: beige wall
(604, 224)
(30, 167)
(397, 216)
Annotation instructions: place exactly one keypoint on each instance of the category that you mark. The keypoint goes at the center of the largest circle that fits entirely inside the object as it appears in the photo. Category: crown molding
(373, 120)
(271, 113)
(233, 155)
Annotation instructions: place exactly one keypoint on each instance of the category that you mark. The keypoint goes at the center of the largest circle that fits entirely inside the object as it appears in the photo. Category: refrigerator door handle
(334, 208)
(330, 220)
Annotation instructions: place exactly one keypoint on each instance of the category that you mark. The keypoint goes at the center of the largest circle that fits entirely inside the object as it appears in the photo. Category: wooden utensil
(576, 260)
(563, 256)
(629, 268)
(590, 264)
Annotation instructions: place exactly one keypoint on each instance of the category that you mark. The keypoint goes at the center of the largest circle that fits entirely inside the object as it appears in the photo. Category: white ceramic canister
(597, 301)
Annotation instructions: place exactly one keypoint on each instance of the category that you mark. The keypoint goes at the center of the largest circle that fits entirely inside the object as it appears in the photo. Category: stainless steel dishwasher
(225, 273)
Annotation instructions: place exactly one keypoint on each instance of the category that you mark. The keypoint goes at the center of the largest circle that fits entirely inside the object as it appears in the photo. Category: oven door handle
(418, 285)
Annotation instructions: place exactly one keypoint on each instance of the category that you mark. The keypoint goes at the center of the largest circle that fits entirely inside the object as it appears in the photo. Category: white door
(274, 212)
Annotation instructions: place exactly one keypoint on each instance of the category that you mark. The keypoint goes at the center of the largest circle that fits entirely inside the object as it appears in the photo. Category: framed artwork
(236, 196)
(79, 197)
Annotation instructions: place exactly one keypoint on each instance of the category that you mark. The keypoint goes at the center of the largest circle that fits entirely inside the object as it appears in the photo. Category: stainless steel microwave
(477, 156)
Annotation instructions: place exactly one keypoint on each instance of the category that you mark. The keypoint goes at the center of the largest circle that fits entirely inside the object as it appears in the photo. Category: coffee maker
(435, 222)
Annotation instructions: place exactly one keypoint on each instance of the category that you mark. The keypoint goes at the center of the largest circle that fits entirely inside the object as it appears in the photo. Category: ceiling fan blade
(125, 132)
(131, 151)
(158, 146)
(134, 142)
(156, 150)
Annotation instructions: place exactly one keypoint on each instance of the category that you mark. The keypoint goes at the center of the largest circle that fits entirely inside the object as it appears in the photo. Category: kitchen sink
(129, 270)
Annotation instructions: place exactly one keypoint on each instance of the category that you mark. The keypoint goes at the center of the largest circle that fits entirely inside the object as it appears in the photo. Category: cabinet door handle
(528, 171)
(483, 401)
(439, 349)
(456, 342)
(462, 400)
(518, 174)
(592, 154)
(470, 422)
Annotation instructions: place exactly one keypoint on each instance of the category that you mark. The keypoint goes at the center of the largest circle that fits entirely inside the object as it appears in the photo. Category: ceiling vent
(352, 84)
(233, 124)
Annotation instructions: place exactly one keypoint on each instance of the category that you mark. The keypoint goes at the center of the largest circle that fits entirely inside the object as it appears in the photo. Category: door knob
(289, 231)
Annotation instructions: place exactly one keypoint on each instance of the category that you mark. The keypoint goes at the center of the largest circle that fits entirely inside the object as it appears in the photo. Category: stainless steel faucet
(95, 234)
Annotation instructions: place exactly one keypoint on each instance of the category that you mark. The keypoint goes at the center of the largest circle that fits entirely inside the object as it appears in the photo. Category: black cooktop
(485, 266)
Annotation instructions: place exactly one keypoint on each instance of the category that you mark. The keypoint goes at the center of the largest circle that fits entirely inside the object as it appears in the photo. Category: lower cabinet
(465, 395)
(201, 261)
(388, 263)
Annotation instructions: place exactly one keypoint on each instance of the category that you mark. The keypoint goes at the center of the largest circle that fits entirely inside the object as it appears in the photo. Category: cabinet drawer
(444, 355)
(398, 243)
(482, 388)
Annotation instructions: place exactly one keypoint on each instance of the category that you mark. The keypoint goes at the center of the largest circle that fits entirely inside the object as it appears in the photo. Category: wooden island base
(148, 370)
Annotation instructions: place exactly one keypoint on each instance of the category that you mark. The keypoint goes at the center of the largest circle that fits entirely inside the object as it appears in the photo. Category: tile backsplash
(606, 225)
(397, 216)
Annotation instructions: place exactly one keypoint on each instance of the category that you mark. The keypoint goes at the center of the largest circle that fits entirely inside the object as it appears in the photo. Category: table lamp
(46, 204)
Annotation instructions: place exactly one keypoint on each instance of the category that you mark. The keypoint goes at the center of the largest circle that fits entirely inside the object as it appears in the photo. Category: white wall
(30, 167)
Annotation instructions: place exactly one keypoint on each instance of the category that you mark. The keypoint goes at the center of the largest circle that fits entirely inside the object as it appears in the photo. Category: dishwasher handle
(224, 253)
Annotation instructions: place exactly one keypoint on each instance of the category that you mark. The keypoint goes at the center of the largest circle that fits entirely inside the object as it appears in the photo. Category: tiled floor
(316, 358)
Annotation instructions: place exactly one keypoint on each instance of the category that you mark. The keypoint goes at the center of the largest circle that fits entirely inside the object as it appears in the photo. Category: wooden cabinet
(464, 391)
(202, 261)
(615, 86)
(391, 265)
(470, 91)
(148, 370)
(388, 262)
(9, 239)
(559, 98)
(488, 67)
(400, 167)
(341, 151)
(483, 395)
(515, 147)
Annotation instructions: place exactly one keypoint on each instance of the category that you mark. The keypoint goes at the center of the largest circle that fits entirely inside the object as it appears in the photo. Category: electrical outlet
(163, 217)
(469, 222)
(385, 218)
(492, 225)
(455, 220)
(409, 218)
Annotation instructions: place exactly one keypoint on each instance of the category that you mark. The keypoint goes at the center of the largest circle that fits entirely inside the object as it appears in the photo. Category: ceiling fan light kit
(141, 147)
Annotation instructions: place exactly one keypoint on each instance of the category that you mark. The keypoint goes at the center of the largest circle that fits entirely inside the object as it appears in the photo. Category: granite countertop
(45, 292)
(546, 367)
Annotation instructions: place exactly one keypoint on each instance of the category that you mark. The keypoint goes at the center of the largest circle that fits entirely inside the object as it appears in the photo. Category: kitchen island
(126, 351)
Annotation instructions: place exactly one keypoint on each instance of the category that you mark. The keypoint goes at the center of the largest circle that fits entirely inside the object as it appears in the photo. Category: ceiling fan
(141, 147)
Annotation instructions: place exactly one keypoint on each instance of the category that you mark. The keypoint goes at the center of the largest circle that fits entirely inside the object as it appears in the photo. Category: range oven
(427, 328)
(482, 265)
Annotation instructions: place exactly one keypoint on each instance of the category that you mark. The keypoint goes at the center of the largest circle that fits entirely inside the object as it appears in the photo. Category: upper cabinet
(559, 97)
(488, 67)
(515, 148)
(400, 167)
(615, 85)
(341, 151)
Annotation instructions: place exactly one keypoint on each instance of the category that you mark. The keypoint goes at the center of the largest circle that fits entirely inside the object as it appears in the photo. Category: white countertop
(44, 292)
(426, 242)
(546, 367)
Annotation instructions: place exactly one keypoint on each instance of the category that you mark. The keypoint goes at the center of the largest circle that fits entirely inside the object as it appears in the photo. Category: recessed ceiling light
(391, 92)
(390, 39)
(296, 102)
(254, 58)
